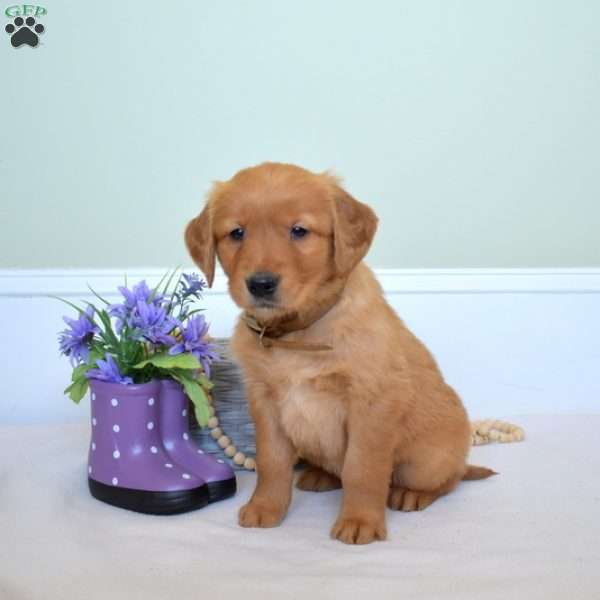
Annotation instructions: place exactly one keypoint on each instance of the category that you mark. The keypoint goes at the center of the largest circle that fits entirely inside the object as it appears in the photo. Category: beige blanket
(532, 532)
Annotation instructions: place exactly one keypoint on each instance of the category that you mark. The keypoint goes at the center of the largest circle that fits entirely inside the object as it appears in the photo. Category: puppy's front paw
(255, 514)
(359, 530)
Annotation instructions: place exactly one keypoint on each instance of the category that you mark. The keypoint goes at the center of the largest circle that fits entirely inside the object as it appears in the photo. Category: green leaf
(108, 330)
(168, 361)
(205, 382)
(98, 295)
(193, 376)
(175, 288)
(79, 310)
(78, 389)
(133, 350)
(95, 354)
(196, 310)
(169, 280)
(80, 371)
(155, 290)
(198, 397)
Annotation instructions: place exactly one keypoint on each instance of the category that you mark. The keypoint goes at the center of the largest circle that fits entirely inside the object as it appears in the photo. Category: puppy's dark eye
(298, 232)
(237, 234)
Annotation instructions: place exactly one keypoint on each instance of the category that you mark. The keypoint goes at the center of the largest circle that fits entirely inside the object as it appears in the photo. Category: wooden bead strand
(493, 430)
(224, 441)
(482, 432)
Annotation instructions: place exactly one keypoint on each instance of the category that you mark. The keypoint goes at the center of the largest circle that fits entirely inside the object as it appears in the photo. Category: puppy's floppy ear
(200, 243)
(354, 226)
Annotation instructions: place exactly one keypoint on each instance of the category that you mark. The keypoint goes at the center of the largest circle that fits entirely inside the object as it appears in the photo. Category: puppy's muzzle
(262, 285)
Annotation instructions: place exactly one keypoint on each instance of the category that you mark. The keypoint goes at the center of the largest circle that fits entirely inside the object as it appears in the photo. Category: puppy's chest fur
(312, 412)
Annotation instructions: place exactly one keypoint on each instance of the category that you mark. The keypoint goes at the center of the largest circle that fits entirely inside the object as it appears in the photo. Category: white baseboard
(509, 340)
(74, 282)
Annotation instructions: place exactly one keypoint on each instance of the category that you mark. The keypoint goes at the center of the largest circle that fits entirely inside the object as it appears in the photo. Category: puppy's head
(286, 238)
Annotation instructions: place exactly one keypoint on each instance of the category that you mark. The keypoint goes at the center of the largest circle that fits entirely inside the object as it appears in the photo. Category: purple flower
(153, 323)
(191, 285)
(140, 293)
(75, 342)
(108, 371)
(192, 341)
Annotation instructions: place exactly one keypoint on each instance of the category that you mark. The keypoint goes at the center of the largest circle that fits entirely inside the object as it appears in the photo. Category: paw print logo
(24, 32)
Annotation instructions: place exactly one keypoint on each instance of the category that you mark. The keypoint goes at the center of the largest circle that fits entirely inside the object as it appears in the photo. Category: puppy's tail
(474, 472)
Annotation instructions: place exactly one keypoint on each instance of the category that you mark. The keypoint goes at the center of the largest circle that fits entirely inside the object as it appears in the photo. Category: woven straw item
(230, 406)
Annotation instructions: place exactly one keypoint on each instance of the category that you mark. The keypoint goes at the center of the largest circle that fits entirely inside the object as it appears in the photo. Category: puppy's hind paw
(410, 500)
(314, 479)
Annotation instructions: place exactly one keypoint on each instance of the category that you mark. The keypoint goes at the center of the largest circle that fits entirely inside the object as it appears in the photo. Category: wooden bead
(229, 449)
(494, 430)
(484, 428)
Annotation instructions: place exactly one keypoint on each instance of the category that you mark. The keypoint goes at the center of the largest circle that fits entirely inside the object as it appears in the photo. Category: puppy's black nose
(262, 285)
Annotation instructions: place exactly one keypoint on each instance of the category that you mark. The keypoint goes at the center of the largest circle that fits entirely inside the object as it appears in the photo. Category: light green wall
(472, 127)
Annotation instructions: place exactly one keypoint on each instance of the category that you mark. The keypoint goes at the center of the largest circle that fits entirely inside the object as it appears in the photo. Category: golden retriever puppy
(332, 374)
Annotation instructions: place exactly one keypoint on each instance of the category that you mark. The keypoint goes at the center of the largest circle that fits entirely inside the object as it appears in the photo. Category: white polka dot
(153, 449)
(115, 481)
(186, 436)
(150, 401)
(200, 451)
(93, 396)
(168, 465)
(116, 454)
(93, 445)
(184, 412)
(186, 476)
(220, 461)
(150, 425)
(90, 470)
(116, 428)
(94, 422)
(114, 402)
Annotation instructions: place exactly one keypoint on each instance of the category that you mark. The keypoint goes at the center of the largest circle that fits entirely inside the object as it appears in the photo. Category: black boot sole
(151, 503)
(219, 490)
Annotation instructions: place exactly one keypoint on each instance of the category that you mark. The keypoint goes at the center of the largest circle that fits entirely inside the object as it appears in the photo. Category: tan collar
(269, 333)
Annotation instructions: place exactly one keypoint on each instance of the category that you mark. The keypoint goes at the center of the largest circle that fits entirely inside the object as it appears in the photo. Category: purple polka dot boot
(219, 476)
(128, 465)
